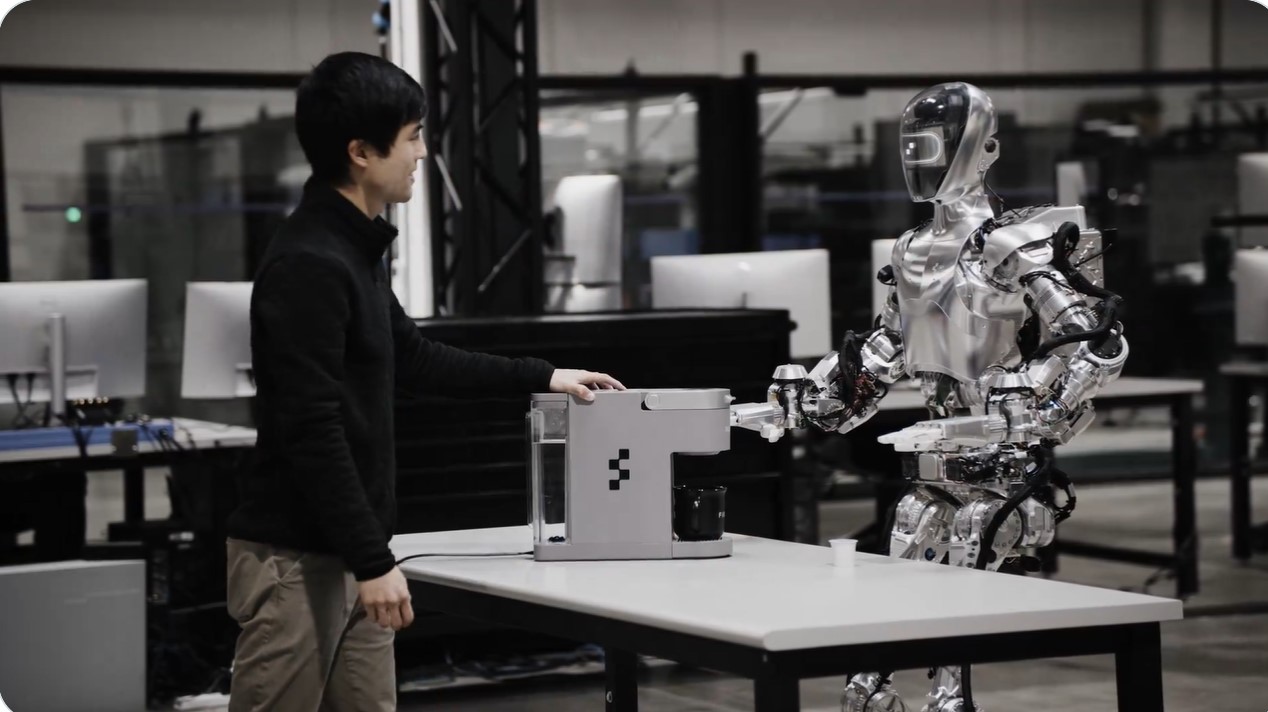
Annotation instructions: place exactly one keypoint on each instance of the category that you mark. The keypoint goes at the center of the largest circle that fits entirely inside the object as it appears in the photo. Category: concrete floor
(1211, 662)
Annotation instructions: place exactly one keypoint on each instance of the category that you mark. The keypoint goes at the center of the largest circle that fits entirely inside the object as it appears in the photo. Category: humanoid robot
(1001, 319)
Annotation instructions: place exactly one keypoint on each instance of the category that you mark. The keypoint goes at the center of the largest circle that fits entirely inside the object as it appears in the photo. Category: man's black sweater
(329, 345)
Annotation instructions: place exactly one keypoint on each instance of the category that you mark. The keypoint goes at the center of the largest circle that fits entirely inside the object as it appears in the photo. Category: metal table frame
(133, 466)
(1243, 379)
(1183, 559)
(776, 674)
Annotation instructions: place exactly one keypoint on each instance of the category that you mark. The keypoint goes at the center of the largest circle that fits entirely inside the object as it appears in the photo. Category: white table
(191, 438)
(777, 612)
(1175, 393)
(189, 433)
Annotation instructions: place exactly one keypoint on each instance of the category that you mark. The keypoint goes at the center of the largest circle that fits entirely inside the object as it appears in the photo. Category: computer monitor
(1252, 196)
(1250, 285)
(92, 331)
(796, 280)
(590, 207)
(216, 358)
(583, 272)
(1071, 183)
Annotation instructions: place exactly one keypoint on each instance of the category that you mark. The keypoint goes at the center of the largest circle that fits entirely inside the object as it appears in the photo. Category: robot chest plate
(953, 321)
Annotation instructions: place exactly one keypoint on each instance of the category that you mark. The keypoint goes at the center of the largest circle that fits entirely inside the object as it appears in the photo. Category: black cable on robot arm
(1065, 239)
(1099, 334)
(1062, 480)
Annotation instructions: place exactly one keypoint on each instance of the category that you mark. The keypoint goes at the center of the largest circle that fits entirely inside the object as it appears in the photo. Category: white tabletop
(777, 595)
(1257, 369)
(190, 434)
(908, 398)
(204, 434)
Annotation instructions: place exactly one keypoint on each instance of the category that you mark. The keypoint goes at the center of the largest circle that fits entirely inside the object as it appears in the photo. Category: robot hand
(948, 433)
(769, 419)
(783, 408)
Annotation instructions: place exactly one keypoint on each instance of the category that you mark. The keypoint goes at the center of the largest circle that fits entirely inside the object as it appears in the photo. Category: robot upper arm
(888, 316)
(1013, 251)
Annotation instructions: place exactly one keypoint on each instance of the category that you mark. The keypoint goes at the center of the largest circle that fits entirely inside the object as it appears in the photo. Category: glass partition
(649, 141)
(169, 185)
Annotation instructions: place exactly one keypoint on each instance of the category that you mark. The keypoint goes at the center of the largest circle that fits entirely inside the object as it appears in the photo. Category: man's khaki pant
(306, 644)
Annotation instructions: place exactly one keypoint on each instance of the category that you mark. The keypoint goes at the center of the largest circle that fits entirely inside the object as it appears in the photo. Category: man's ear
(358, 153)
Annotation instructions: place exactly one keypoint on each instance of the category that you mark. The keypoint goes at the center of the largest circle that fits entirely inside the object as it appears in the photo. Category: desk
(1244, 379)
(45, 454)
(777, 612)
(1178, 395)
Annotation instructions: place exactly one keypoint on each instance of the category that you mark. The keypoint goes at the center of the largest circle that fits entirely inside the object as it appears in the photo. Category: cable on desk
(166, 441)
(189, 435)
(170, 440)
(77, 432)
(21, 420)
(458, 555)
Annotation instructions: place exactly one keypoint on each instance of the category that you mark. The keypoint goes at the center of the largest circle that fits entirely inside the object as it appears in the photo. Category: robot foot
(871, 692)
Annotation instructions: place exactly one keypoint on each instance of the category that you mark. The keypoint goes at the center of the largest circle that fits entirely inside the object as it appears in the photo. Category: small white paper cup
(843, 551)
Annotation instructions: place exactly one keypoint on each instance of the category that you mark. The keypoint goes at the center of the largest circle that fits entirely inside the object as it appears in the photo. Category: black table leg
(1184, 471)
(1239, 463)
(134, 495)
(776, 693)
(1138, 664)
(621, 669)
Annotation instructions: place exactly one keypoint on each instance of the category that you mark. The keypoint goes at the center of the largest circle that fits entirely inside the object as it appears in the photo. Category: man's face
(392, 177)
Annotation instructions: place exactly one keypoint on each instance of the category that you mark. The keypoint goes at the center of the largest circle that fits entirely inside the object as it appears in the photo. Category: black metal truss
(484, 165)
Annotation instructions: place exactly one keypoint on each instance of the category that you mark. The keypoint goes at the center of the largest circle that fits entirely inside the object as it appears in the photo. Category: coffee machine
(601, 474)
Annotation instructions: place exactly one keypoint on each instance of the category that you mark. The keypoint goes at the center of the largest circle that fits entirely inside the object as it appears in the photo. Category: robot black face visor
(931, 130)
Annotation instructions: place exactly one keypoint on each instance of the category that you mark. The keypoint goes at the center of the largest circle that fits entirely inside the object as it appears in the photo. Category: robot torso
(954, 321)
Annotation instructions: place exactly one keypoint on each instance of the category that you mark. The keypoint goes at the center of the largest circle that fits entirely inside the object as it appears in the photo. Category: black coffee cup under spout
(699, 512)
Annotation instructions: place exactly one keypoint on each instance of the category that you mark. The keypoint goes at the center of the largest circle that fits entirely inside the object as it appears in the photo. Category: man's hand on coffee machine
(582, 383)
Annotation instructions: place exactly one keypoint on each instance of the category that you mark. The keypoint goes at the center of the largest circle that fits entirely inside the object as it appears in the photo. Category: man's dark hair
(349, 96)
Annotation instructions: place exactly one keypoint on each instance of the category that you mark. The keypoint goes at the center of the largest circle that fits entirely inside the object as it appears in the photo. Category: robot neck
(973, 208)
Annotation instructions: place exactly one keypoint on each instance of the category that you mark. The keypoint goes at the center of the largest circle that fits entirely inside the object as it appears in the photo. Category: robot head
(946, 139)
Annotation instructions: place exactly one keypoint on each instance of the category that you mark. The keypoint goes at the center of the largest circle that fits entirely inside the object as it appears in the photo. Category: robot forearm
(1101, 349)
(883, 357)
(838, 394)
(1048, 398)
(844, 388)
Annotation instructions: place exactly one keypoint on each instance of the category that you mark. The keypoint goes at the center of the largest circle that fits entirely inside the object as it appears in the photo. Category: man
(312, 581)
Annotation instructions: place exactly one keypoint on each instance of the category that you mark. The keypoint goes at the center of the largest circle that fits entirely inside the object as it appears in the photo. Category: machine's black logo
(621, 472)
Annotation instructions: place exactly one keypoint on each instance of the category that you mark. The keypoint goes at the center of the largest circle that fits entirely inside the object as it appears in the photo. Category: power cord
(160, 438)
(457, 555)
(77, 432)
(21, 420)
(165, 440)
